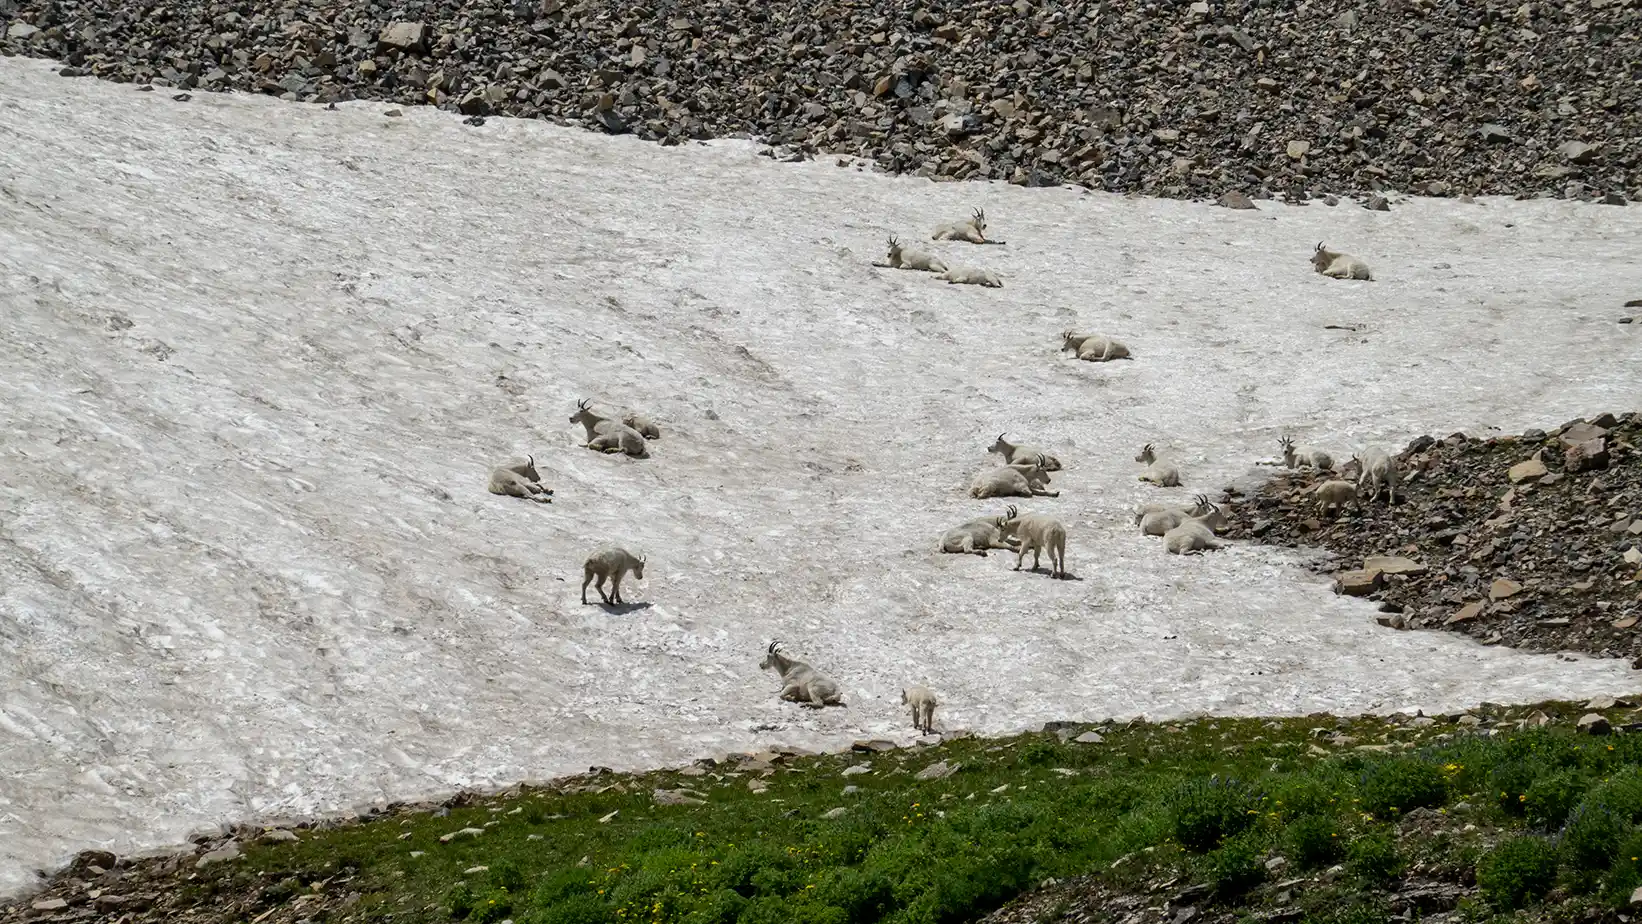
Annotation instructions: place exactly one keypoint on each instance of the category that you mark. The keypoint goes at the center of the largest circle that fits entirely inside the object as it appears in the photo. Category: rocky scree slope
(1170, 99)
(1532, 541)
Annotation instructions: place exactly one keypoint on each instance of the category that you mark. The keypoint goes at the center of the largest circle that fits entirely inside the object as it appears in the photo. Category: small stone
(21, 31)
(279, 836)
(50, 904)
(475, 870)
(835, 813)
(674, 797)
(1466, 613)
(1357, 583)
(228, 851)
(1502, 588)
(1577, 152)
(475, 832)
(857, 770)
(1298, 149)
(403, 36)
(939, 770)
(1633, 556)
(1089, 737)
(1636, 896)
(1233, 199)
(1377, 203)
(1530, 470)
(878, 745)
(1494, 133)
(1595, 723)
(394, 113)
(1392, 564)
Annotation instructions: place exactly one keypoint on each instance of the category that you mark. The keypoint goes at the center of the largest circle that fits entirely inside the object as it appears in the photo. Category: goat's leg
(1036, 552)
(587, 578)
(598, 585)
(615, 588)
(1020, 555)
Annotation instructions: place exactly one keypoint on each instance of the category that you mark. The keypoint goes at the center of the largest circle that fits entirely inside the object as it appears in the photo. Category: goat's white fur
(801, 683)
(1094, 348)
(922, 702)
(1158, 472)
(518, 478)
(1338, 265)
(1039, 533)
(1333, 495)
(645, 426)
(1376, 470)
(1012, 453)
(612, 562)
(1164, 517)
(606, 434)
(1021, 479)
(972, 230)
(978, 535)
(903, 257)
(1196, 534)
(971, 276)
(1304, 456)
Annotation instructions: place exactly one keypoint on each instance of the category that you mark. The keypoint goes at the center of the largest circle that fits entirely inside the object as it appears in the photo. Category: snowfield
(258, 358)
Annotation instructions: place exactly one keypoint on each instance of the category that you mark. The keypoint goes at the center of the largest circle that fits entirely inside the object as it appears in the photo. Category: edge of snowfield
(258, 358)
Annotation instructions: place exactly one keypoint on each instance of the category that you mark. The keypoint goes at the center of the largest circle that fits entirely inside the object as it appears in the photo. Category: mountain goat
(1338, 265)
(1166, 474)
(901, 257)
(1159, 521)
(922, 703)
(1304, 457)
(1196, 534)
(1333, 495)
(1093, 348)
(645, 426)
(607, 435)
(612, 563)
(1376, 470)
(1013, 453)
(1039, 533)
(801, 683)
(976, 536)
(1021, 479)
(971, 276)
(972, 230)
(519, 479)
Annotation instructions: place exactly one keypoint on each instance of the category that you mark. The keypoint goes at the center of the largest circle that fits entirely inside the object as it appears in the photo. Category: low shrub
(1314, 841)
(1519, 871)
(1374, 858)
(1551, 797)
(1394, 787)
(1236, 868)
(1591, 838)
(1207, 812)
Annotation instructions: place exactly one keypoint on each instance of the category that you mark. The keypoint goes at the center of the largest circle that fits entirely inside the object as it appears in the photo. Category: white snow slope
(257, 359)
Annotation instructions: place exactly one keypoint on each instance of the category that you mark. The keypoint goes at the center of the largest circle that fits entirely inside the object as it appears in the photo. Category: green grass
(1232, 804)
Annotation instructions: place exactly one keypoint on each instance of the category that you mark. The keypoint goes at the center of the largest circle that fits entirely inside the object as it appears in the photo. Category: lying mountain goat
(1012, 453)
(607, 435)
(801, 683)
(519, 479)
(1196, 534)
(1376, 470)
(976, 536)
(1039, 533)
(972, 230)
(1339, 265)
(1158, 522)
(1304, 457)
(610, 563)
(971, 276)
(1021, 479)
(1093, 348)
(1333, 496)
(923, 704)
(908, 259)
(645, 426)
(1165, 474)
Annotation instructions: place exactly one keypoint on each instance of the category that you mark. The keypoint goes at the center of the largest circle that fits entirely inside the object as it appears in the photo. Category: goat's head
(1216, 518)
(1071, 340)
(638, 568)
(903, 696)
(894, 246)
(979, 221)
(530, 469)
(772, 657)
(1286, 442)
(998, 445)
(583, 413)
(1148, 454)
(1321, 257)
(1201, 505)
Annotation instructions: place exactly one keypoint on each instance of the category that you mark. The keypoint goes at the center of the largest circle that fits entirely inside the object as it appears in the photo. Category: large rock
(403, 36)
(1530, 470)
(1393, 564)
(1589, 456)
(1595, 723)
(1581, 431)
(1503, 588)
(1358, 583)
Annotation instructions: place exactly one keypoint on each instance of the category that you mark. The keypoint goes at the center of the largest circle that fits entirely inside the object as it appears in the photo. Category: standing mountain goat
(1376, 470)
(1012, 453)
(1039, 533)
(973, 230)
(1093, 348)
(1021, 479)
(906, 258)
(519, 479)
(1196, 534)
(1163, 473)
(971, 276)
(1304, 457)
(610, 563)
(1333, 495)
(1338, 265)
(645, 426)
(922, 703)
(801, 683)
(1164, 517)
(976, 536)
(607, 435)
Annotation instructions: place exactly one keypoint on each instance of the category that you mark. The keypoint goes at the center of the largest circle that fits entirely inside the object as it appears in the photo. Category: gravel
(1171, 99)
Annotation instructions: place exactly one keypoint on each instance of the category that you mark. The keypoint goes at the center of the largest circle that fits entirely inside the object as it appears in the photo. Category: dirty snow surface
(258, 358)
